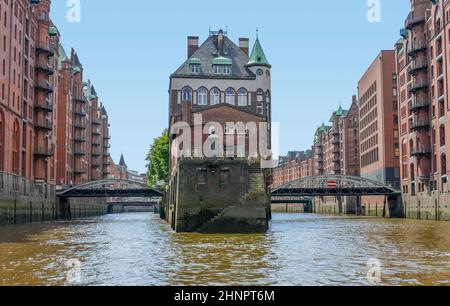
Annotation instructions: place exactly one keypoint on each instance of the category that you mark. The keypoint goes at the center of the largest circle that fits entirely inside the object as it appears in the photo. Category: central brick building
(225, 85)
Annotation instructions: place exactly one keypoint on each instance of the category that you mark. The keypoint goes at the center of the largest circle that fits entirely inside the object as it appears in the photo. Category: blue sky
(318, 50)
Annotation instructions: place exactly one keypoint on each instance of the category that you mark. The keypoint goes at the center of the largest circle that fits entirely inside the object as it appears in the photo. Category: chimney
(244, 45)
(192, 45)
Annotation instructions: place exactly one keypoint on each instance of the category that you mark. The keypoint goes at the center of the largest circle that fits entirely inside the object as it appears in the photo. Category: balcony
(45, 125)
(43, 152)
(414, 19)
(421, 151)
(80, 99)
(80, 113)
(336, 150)
(95, 163)
(79, 171)
(418, 85)
(96, 121)
(96, 143)
(336, 141)
(414, 48)
(419, 124)
(79, 138)
(45, 48)
(96, 132)
(107, 137)
(106, 153)
(419, 104)
(44, 86)
(417, 65)
(46, 106)
(79, 151)
(95, 153)
(46, 68)
(80, 125)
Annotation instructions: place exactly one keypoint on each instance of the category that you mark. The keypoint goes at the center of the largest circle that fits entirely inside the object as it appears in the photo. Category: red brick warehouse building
(53, 129)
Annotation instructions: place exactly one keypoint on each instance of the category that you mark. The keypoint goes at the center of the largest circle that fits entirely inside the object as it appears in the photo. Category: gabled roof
(208, 52)
(258, 58)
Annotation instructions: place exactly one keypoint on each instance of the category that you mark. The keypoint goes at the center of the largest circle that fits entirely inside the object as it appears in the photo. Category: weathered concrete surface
(288, 208)
(22, 201)
(433, 206)
(218, 196)
(87, 207)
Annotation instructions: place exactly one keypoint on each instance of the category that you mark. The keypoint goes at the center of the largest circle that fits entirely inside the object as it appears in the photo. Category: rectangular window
(195, 69)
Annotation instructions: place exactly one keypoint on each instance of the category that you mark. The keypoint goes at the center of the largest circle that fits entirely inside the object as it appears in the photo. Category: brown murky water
(140, 249)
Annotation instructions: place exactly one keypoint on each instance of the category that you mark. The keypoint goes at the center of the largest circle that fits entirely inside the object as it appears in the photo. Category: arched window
(443, 164)
(215, 96)
(231, 96)
(202, 96)
(15, 148)
(2, 141)
(187, 94)
(268, 96)
(442, 136)
(260, 95)
(242, 97)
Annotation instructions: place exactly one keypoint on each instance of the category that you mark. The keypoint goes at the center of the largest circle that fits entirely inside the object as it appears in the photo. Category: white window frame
(229, 97)
(215, 96)
(195, 68)
(202, 96)
(183, 94)
(242, 97)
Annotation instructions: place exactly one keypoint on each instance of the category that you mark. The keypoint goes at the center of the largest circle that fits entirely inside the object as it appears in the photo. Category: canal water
(140, 249)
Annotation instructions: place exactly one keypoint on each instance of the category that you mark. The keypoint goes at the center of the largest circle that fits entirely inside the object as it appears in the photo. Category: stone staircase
(255, 178)
(205, 227)
(255, 186)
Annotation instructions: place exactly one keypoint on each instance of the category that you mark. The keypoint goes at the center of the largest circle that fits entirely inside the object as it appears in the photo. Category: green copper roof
(85, 84)
(194, 61)
(92, 97)
(222, 61)
(340, 112)
(76, 70)
(52, 31)
(258, 57)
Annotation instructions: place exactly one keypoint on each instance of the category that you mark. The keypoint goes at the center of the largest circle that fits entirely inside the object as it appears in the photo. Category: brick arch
(2, 141)
(15, 147)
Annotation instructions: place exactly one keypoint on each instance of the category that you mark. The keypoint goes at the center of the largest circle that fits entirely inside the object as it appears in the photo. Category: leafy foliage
(158, 160)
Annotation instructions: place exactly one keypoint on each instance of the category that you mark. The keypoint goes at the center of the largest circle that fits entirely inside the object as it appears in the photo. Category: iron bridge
(334, 185)
(111, 188)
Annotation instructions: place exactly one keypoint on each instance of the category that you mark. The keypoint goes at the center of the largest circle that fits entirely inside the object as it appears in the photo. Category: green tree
(158, 160)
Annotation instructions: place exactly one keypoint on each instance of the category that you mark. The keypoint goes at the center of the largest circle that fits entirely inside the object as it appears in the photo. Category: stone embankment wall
(22, 201)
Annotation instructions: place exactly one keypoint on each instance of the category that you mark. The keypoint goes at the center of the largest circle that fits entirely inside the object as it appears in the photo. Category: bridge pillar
(64, 212)
(394, 207)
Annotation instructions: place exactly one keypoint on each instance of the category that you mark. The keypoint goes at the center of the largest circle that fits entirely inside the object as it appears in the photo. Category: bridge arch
(111, 188)
(334, 185)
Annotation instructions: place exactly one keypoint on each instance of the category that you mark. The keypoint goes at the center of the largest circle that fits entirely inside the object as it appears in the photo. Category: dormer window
(222, 65)
(195, 69)
(194, 65)
(224, 70)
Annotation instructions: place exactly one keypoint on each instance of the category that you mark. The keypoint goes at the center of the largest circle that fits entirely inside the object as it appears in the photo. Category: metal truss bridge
(333, 185)
(111, 188)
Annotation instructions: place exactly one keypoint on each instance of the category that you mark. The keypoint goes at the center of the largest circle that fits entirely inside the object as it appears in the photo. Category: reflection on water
(140, 249)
